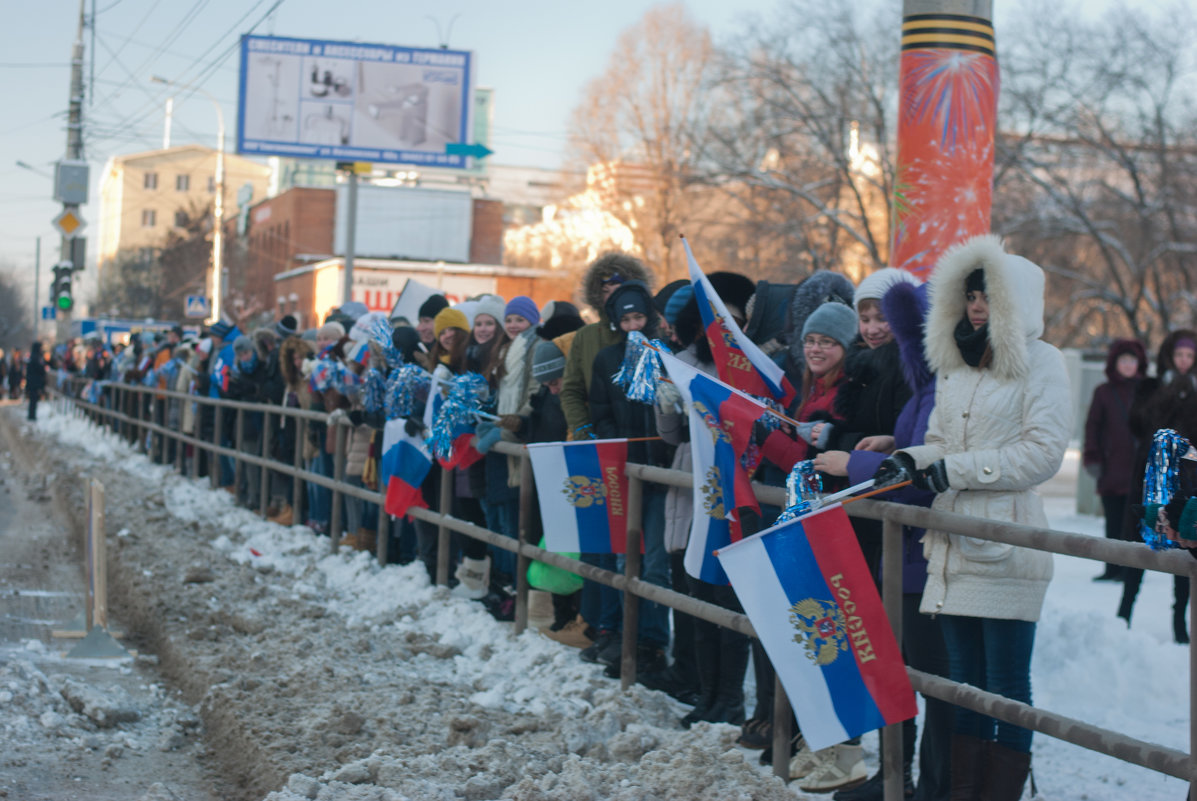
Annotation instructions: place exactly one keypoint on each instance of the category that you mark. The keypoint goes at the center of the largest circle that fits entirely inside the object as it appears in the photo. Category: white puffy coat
(1001, 431)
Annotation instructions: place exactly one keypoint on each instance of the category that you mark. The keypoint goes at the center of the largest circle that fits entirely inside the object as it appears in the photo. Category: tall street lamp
(218, 206)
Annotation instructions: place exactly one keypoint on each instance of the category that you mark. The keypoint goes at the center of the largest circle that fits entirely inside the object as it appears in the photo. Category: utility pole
(69, 250)
(948, 61)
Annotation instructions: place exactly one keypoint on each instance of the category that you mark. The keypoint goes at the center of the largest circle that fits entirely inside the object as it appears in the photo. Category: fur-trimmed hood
(607, 265)
(1014, 288)
(818, 288)
(1163, 360)
(905, 308)
(286, 363)
(265, 340)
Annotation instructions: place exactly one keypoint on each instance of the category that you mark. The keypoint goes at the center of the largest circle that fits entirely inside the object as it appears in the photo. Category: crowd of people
(947, 385)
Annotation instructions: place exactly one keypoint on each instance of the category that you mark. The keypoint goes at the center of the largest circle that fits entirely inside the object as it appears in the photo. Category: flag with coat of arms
(739, 361)
(583, 492)
(721, 448)
(806, 588)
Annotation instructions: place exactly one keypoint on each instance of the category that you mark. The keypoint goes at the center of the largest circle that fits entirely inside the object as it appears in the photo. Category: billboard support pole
(350, 236)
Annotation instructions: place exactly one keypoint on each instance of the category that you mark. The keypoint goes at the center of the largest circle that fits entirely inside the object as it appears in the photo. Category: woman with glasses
(999, 428)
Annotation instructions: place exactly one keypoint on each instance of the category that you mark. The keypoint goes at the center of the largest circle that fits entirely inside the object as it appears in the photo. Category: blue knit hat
(525, 307)
(220, 328)
(677, 300)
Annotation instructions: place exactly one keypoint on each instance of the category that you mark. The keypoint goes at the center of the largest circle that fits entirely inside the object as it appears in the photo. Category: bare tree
(636, 125)
(1098, 178)
(16, 322)
(803, 137)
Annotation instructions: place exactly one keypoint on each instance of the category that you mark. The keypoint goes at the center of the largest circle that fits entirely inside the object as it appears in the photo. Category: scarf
(972, 343)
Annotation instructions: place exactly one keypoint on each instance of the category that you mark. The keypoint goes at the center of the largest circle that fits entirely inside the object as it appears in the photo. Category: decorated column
(947, 123)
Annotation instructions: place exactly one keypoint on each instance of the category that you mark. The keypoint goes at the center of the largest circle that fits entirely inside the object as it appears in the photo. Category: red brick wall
(298, 221)
(486, 238)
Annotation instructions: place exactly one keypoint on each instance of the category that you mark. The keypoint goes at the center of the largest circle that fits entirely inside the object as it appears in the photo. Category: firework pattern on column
(946, 126)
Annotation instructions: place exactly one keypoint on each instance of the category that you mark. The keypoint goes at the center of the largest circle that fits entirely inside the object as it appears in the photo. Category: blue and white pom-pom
(641, 368)
(803, 488)
(1162, 479)
(374, 391)
(406, 390)
(468, 395)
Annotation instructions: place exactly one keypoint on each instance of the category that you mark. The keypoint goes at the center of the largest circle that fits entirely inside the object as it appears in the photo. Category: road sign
(69, 223)
(472, 149)
(196, 306)
(49, 313)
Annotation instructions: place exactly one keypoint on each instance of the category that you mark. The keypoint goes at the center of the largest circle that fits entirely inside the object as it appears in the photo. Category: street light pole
(218, 203)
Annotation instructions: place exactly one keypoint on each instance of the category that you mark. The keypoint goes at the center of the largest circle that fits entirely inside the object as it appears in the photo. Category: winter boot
(285, 517)
(540, 609)
(1179, 630)
(574, 634)
(473, 577)
(367, 539)
(840, 766)
(969, 764)
(601, 641)
(350, 541)
(706, 660)
(729, 686)
(1006, 773)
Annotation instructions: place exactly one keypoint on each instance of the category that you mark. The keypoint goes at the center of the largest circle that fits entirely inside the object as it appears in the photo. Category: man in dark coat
(35, 378)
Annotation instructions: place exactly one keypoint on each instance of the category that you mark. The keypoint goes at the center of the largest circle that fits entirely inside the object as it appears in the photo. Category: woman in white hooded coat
(1000, 425)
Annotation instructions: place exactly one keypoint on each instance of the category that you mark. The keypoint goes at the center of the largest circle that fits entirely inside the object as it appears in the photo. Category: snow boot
(1179, 630)
(367, 539)
(840, 766)
(1006, 771)
(969, 762)
(540, 609)
(601, 642)
(285, 516)
(706, 661)
(473, 579)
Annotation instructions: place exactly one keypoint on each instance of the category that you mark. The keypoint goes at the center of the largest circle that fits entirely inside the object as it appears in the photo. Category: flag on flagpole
(583, 491)
(404, 464)
(739, 361)
(805, 587)
(721, 421)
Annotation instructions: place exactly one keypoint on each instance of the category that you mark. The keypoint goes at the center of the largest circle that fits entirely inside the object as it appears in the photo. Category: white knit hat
(875, 285)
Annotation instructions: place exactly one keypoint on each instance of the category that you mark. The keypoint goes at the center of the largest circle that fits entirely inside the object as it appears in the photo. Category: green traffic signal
(64, 302)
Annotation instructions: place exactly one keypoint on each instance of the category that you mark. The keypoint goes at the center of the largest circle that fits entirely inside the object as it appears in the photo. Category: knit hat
(525, 307)
(220, 328)
(833, 320)
(874, 285)
(287, 326)
(331, 330)
(492, 305)
(548, 362)
(406, 340)
(661, 299)
(558, 308)
(243, 344)
(449, 318)
(432, 306)
(677, 302)
(353, 309)
(204, 346)
(630, 297)
(975, 282)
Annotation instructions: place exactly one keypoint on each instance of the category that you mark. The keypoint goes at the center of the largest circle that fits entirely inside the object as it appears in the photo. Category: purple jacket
(905, 307)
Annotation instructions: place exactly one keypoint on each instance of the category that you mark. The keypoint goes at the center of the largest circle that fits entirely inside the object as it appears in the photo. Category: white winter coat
(1001, 431)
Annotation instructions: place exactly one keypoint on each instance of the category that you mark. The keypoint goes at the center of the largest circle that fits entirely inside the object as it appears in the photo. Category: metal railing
(128, 410)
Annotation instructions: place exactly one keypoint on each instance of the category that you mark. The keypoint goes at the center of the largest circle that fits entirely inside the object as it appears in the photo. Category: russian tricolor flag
(583, 493)
(721, 421)
(739, 361)
(806, 589)
(404, 464)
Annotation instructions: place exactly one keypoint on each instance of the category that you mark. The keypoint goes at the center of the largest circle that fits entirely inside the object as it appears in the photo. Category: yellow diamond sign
(69, 224)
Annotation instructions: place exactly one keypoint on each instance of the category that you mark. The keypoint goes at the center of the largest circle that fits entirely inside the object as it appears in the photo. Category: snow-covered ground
(596, 742)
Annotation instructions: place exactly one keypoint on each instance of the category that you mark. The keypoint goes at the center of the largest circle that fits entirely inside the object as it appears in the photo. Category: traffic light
(62, 286)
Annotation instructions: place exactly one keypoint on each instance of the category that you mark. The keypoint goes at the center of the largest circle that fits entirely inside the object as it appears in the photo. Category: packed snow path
(324, 676)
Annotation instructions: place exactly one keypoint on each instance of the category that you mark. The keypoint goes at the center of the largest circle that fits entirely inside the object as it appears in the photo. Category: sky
(537, 56)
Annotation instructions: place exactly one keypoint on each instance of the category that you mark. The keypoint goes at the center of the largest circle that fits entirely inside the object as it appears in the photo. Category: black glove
(357, 416)
(413, 427)
(934, 477)
(895, 469)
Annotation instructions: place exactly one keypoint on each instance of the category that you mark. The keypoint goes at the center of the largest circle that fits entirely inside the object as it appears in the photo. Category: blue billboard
(349, 101)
